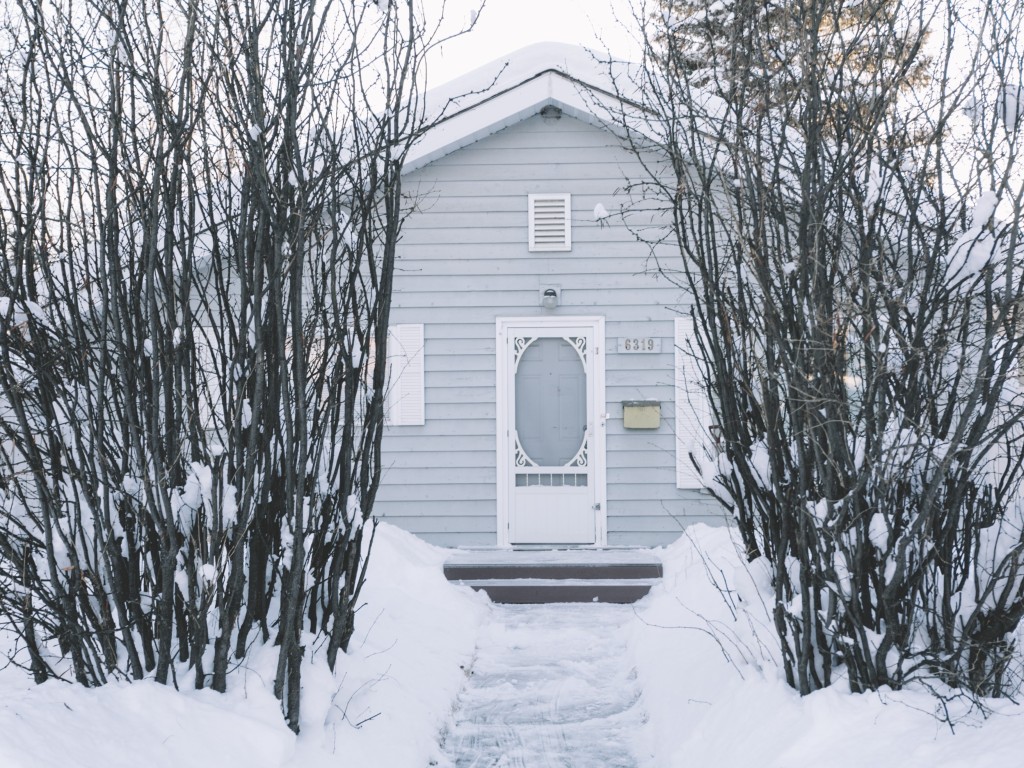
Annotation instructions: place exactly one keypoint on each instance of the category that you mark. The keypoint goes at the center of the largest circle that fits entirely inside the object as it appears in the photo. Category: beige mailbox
(641, 414)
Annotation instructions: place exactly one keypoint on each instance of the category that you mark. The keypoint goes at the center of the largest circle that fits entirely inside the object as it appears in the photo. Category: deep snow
(384, 707)
(716, 695)
(708, 686)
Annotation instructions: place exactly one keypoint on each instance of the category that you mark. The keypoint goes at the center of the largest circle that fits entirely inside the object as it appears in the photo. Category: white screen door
(552, 449)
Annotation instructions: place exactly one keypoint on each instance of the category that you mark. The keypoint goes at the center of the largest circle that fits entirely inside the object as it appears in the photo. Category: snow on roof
(580, 82)
(519, 66)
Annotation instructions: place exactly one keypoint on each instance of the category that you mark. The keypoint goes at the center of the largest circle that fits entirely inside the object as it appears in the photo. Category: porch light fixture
(549, 298)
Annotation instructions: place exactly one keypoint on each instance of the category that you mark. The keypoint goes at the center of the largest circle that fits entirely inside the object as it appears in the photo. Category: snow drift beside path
(138, 724)
(385, 705)
(716, 695)
(711, 687)
(414, 637)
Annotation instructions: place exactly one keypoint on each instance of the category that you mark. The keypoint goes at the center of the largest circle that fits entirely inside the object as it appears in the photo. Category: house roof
(514, 87)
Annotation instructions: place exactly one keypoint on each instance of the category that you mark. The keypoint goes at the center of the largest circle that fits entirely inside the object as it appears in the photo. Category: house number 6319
(640, 344)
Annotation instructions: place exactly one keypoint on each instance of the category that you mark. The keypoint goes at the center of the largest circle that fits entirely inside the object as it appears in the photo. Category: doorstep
(557, 576)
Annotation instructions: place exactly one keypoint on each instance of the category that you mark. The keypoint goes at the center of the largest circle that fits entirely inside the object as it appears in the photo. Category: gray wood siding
(463, 262)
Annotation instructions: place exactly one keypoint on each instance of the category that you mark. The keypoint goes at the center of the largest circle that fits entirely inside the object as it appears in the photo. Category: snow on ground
(708, 685)
(551, 685)
(384, 707)
(716, 696)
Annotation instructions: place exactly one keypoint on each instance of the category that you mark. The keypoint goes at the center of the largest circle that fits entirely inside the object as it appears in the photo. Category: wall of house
(463, 262)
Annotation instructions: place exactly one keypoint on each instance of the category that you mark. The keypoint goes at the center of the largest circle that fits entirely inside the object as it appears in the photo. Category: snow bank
(706, 659)
(398, 685)
(384, 706)
(144, 723)
(716, 697)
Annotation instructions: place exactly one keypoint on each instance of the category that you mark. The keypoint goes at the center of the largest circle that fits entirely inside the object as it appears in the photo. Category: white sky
(507, 25)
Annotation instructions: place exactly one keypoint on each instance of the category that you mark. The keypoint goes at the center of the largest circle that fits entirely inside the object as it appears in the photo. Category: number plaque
(639, 344)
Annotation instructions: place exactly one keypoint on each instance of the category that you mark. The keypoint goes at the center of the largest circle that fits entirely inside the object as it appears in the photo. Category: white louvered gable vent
(550, 223)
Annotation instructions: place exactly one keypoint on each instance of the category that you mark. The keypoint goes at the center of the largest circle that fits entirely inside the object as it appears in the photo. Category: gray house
(538, 393)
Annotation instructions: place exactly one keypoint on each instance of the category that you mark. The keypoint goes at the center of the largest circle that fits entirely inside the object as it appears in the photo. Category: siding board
(396, 443)
(478, 492)
(584, 283)
(639, 313)
(576, 301)
(470, 262)
(539, 183)
(486, 173)
(506, 237)
(438, 475)
(440, 460)
(474, 516)
(453, 429)
(462, 411)
(438, 395)
(442, 523)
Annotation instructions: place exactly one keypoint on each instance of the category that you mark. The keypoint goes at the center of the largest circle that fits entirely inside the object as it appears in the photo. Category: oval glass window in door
(551, 402)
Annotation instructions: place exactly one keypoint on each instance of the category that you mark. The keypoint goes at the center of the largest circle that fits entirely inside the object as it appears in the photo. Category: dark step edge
(473, 571)
(563, 593)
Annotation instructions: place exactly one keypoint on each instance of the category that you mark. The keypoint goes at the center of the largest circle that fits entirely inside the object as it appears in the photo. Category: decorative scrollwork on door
(579, 343)
(521, 458)
(580, 459)
(519, 346)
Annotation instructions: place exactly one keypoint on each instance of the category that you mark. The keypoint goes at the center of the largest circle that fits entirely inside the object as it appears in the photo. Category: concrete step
(527, 570)
(563, 590)
(557, 576)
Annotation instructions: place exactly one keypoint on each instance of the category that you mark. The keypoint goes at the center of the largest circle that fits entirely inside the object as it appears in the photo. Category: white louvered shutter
(693, 412)
(550, 222)
(405, 375)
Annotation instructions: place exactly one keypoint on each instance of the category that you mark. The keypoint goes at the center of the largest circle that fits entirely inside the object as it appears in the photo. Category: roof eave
(506, 104)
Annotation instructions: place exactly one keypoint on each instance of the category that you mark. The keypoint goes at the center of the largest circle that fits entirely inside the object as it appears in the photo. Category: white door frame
(597, 420)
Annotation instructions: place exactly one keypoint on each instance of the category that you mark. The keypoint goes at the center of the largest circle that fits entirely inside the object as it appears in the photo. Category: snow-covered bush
(851, 241)
(199, 219)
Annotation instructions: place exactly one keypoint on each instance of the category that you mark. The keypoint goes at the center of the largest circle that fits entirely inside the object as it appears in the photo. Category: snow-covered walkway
(551, 685)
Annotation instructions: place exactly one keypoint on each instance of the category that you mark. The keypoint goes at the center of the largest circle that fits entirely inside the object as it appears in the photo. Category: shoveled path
(551, 685)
